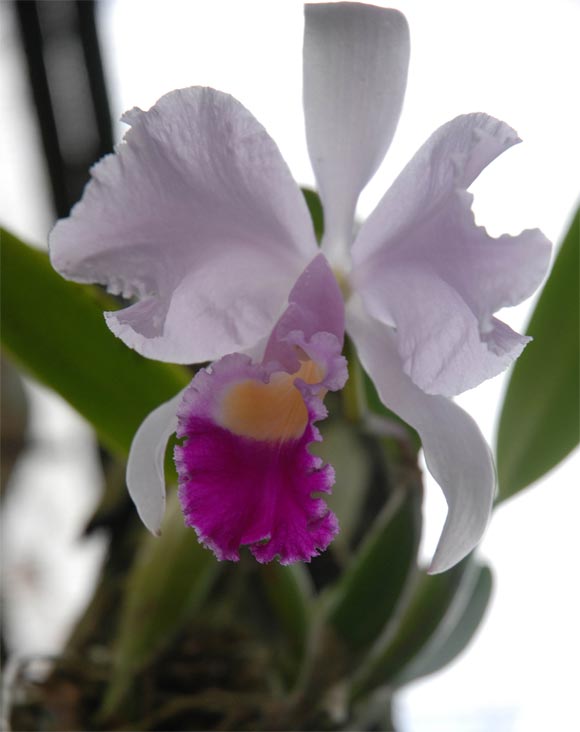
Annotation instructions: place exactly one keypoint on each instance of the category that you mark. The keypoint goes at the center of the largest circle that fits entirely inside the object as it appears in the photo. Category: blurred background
(67, 72)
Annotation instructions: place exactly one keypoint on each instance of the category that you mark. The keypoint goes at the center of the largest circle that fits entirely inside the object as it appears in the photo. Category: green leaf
(540, 419)
(343, 448)
(170, 579)
(56, 331)
(455, 632)
(289, 591)
(366, 597)
(316, 213)
(421, 618)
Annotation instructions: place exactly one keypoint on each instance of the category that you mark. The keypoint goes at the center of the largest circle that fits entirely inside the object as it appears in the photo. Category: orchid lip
(246, 475)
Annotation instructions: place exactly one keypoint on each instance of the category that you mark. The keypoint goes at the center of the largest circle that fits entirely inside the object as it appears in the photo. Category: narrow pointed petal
(145, 471)
(422, 265)
(246, 476)
(194, 208)
(355, 73)
(455, 452)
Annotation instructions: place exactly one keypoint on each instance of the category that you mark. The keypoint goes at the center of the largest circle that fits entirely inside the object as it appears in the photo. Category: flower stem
(353, 394)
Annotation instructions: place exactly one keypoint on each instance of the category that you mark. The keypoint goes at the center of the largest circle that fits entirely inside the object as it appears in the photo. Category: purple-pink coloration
(238, 491)
(315, 305)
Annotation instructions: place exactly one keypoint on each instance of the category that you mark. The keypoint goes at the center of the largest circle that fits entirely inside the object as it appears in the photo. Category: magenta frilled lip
(236, 490)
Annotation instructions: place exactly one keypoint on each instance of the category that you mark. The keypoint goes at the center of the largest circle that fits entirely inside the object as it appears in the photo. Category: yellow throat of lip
(271, 412)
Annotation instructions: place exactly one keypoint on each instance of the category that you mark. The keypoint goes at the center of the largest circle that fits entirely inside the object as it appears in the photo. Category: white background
(513, 59)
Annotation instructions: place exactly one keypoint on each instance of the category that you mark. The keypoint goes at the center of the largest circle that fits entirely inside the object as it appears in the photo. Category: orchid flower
(197, 217)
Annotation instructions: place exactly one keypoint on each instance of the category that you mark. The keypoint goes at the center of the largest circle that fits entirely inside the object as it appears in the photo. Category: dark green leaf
(455, 632)
(289, 591)
(368, 594)
(540, 419)
(170, 579)
(56, 331)
(423, 616)
(343, 448)
(316, 212)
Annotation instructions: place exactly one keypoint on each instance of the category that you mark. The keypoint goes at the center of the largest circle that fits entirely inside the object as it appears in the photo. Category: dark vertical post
(69, 91)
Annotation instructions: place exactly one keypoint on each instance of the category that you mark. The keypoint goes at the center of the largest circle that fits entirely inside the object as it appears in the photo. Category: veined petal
(422, 265)
(145, 471)
(195, 207)
(355, 73)
(443, 347)
(246, 475)
(449, 160)
(455, 452)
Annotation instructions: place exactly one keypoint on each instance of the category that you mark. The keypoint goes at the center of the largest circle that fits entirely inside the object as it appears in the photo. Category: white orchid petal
(455, 452)
(355, 72)
(444, 348)
(145, 467)
(422, 264)
(195, 207)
